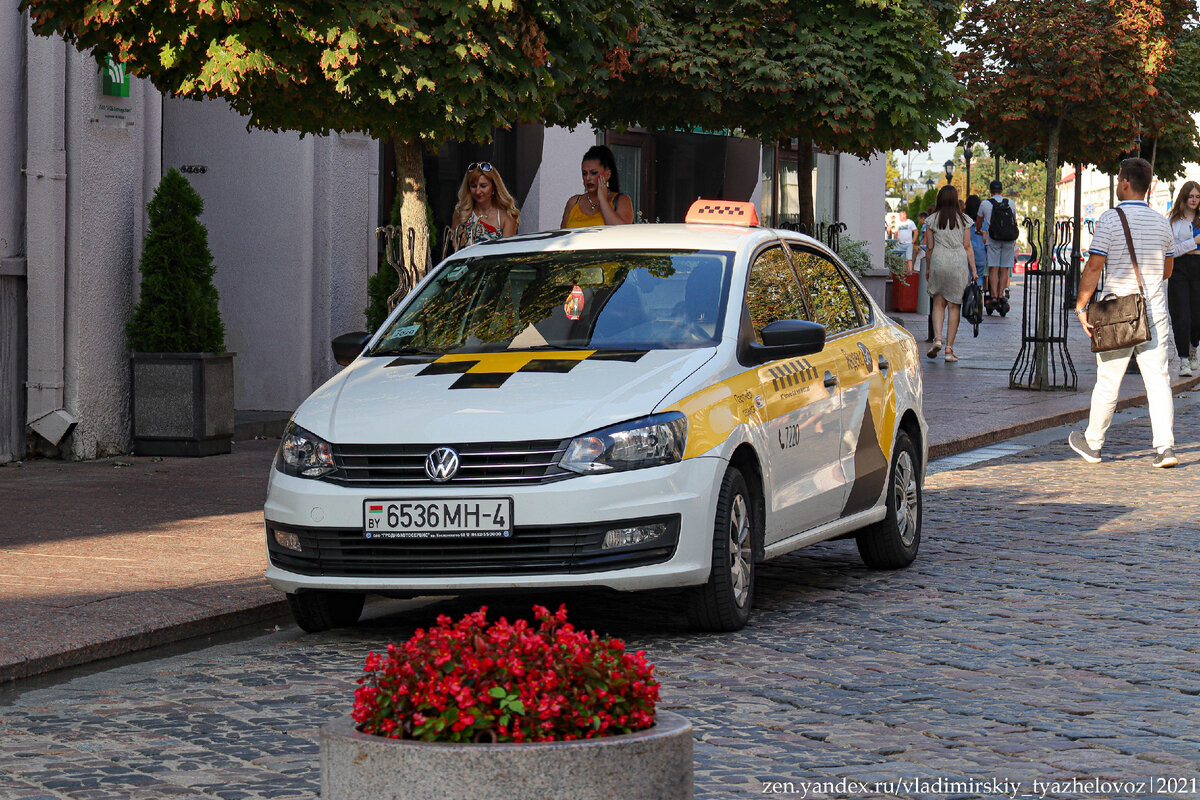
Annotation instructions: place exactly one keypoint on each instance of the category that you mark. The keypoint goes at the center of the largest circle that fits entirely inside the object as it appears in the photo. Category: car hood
(481, 397)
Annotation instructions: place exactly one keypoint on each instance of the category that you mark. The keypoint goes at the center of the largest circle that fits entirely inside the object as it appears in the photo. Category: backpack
(1003, 225)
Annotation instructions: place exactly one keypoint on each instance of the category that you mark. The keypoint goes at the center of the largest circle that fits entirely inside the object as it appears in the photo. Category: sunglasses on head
(482, 166)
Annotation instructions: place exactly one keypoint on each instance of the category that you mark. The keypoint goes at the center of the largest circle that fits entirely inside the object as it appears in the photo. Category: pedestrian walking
(1183, 289)
(951, 266)
(997, 216)
(906, 233)
(1149, 235)
(485, 210)
(601, 202)
(978, 246)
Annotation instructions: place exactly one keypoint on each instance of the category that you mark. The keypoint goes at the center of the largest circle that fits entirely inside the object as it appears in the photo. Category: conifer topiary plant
(178, 311)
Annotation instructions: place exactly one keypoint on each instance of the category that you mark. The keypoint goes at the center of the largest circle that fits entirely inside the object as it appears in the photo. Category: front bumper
(557, 529)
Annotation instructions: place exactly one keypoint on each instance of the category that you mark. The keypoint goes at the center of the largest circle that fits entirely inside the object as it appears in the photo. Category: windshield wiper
(407, 351)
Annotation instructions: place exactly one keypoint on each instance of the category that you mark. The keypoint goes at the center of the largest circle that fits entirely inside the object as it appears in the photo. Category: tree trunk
(410, 186)
(804, 169)
(1041, 350)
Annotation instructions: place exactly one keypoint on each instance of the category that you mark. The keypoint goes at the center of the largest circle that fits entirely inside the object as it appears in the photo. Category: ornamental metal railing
(1048, 295)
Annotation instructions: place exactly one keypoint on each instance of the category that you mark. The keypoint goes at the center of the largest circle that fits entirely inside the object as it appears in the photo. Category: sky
(940, 151)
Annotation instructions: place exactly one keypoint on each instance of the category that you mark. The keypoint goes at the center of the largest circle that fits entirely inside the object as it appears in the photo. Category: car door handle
(883, 364)
(830, 380)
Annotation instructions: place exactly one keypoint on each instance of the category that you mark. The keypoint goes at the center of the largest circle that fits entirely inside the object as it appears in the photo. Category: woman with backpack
(951, 265)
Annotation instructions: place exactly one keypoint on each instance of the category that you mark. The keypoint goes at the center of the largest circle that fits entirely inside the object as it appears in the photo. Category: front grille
(488, 464)
(531, 550)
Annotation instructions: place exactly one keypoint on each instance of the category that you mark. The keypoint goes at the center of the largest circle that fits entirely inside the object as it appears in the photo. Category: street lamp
(949, 167)
(929, 183)
(968, 146)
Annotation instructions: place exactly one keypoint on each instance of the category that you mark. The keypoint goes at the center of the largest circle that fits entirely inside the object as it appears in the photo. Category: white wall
(860, 202)
(289, 222)
(12, 129)
(106, 211)
(557, 178)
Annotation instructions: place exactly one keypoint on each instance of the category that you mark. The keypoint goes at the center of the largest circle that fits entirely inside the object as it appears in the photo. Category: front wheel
(892, 542)
(724, 602)
(317, 611)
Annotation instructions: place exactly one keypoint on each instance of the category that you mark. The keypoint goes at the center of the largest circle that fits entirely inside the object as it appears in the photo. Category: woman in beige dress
(951, 262)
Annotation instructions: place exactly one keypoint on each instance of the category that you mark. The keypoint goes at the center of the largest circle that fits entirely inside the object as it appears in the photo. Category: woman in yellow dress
(601, 202)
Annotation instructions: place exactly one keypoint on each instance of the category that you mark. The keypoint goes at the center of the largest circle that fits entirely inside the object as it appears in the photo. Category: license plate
(476, 518)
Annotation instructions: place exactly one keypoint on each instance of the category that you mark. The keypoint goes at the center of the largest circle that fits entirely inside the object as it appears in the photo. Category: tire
(892, 543)
(317, 611)
(723, 603)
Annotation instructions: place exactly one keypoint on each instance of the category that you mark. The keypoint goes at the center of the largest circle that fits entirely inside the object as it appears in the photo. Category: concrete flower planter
(182, 404)
(655, 763)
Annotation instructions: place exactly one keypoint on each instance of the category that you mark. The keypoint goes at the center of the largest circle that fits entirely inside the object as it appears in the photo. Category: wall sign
(114, 105)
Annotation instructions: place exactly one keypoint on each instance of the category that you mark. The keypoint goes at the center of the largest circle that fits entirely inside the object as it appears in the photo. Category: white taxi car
(634, 407)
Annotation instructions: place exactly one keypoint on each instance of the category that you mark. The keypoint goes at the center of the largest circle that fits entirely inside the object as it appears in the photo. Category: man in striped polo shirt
(1154, 245)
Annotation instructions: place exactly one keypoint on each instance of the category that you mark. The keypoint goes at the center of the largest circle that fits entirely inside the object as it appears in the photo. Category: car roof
(654, 236)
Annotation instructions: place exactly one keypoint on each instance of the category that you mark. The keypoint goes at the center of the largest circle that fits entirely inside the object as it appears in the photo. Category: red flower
(458, 680)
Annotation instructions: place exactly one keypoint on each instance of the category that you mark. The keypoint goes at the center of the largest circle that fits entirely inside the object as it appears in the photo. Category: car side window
(826, 292)
(772, 292)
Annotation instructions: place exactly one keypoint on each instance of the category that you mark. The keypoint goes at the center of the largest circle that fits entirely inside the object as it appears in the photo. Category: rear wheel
(892, 542)
(318, 611)
(724, 602)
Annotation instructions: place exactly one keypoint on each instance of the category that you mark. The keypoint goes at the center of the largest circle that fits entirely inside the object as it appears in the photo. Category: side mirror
(787, 338)
(349, 346)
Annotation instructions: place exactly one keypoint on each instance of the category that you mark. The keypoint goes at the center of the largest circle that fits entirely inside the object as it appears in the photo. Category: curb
(144, 640)
(957, 446)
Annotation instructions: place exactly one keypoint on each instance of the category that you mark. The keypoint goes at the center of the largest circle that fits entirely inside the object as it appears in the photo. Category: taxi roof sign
(727, 212)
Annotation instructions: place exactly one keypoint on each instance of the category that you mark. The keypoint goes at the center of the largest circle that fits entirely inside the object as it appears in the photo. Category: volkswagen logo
(442, 464)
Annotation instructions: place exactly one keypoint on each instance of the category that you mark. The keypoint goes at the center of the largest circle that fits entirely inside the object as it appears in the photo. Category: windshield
(577, 300)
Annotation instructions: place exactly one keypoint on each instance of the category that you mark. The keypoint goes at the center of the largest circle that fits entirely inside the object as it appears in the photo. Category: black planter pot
(182, 404)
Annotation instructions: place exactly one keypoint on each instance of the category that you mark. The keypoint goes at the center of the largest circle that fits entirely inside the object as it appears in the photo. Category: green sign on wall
(114, 105)
(114, 78)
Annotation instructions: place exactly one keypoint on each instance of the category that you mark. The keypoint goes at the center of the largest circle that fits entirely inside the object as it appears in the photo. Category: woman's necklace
(592, 204)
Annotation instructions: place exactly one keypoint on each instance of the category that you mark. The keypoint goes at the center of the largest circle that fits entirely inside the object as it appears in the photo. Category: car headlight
(646, 442)
(303, 454)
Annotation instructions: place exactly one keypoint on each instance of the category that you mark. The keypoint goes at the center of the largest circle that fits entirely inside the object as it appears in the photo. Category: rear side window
(772, 292)
(826, 292)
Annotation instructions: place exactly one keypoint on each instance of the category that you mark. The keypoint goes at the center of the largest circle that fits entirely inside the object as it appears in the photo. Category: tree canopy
(855, 77)
(420, 72)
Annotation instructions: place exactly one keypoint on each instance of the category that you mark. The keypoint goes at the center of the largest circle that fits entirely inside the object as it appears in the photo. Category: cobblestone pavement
(1047, 631)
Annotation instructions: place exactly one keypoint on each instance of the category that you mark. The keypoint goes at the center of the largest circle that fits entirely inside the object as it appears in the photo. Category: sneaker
(1194, 360)
(1185, 369)
(1079, 444)
(1166, 458)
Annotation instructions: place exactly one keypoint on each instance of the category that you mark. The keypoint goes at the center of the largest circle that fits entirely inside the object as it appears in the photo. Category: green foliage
(855, 255)
(894, 262)
(856, 77)
(419, 72)
(179, 310)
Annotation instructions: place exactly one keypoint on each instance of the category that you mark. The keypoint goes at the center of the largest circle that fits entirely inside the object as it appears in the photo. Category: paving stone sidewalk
(1048, 631)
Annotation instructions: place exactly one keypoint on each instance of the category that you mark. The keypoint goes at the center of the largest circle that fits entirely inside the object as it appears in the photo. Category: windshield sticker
(407, 330)
(457, 271)
(574, 305)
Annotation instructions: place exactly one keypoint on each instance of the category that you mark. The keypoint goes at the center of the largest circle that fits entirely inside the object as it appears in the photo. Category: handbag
(1120, 321)
(972, 305)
